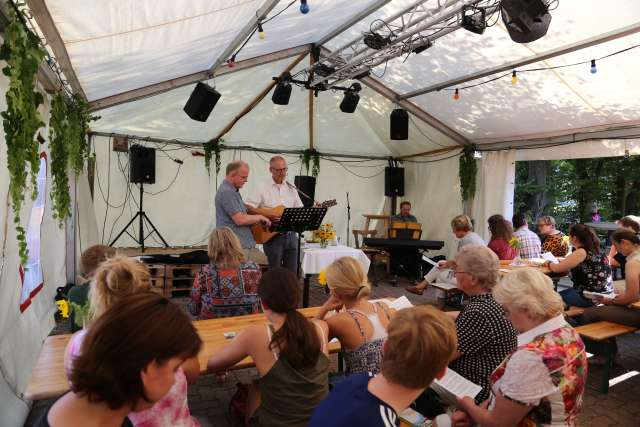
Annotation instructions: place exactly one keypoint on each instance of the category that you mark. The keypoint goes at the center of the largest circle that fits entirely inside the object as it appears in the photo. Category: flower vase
(517, 262)
(324, 243)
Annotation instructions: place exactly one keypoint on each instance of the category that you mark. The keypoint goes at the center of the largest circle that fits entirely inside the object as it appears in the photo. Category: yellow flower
(63, 306)
(515, 243)
(322, 277)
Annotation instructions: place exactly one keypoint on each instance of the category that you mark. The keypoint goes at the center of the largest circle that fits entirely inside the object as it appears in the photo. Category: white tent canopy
(136, 62)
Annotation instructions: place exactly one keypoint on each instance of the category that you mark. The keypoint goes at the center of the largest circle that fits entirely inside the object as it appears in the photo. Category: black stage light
(525, 20)
(282, 92)
(474, 19)
(323, 70)
(376, 41)
(201, 102)
(351, 99)
(399, 124)
(419, 48)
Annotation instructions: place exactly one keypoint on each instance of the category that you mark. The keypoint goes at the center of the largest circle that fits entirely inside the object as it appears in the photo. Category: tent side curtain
(22, 333)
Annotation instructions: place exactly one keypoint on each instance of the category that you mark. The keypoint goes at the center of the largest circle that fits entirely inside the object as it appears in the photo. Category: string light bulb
(304, 7)
(231, 61)
(593, 66)
(261, 34)
(456, 95)
(514, 77)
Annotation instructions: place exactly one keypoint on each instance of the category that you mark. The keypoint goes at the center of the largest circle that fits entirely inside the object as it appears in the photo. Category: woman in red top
(501, 233)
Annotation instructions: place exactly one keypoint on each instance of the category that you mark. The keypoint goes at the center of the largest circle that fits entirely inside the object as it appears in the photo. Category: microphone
(299, 191)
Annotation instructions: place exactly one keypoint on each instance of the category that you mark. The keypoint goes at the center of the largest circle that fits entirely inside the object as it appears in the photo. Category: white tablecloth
(315, 258)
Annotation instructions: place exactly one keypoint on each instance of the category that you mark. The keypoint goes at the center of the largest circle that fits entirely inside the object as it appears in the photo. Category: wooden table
(506, 265)
(48, 377)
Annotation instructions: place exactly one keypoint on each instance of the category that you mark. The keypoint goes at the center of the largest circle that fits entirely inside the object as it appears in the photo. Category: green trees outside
(569, 190)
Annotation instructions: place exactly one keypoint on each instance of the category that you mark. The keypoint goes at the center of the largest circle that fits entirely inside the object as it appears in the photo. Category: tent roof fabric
(117, 46)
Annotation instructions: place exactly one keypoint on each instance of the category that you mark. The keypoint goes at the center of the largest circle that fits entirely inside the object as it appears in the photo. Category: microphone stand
(348, 218)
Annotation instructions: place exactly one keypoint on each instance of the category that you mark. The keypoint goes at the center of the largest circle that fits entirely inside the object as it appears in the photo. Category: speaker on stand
(142, 170)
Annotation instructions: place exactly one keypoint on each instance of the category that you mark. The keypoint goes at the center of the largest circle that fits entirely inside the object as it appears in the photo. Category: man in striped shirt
(421, 341)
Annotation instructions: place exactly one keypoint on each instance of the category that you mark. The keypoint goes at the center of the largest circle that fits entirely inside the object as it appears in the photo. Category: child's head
(347, 279)
(421, 341)
(115, 280)
(130, 353)
(93, 256)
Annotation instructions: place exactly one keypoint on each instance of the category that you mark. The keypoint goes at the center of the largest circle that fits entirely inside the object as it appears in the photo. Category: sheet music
(429, 260)
(400, 303)
(590, 295)
(548, 256)
(454, 386)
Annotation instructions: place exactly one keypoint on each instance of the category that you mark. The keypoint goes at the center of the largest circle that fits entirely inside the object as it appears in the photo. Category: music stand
(301, 220)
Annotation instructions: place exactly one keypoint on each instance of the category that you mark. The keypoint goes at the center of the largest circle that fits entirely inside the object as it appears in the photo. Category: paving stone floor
(210, 398)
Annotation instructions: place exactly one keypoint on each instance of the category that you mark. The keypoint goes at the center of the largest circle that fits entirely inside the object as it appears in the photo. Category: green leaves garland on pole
(467, 173)
(211, 149)
(310, 156)
(68, 127)
(21, 120)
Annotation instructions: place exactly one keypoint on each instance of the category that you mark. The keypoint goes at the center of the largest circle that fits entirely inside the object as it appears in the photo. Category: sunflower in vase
(325, 234)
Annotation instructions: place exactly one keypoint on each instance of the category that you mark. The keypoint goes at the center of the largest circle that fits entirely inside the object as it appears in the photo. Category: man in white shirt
(282, 249)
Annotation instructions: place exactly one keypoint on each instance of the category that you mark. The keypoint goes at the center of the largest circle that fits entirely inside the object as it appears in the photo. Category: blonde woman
(542, 382)
(228, 286)
(115, 281)
(362, 327)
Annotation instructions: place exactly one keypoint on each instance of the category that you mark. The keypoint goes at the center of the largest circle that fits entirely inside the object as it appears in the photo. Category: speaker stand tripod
(142, 217)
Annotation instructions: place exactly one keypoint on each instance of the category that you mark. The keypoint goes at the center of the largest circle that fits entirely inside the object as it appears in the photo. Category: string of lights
(514, 74)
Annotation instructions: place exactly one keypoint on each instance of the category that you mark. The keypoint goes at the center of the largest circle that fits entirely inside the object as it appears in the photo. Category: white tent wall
(22, 334)
(185, 215)
(434, 192)
(581, 150)
(495, 186)
(86, 229)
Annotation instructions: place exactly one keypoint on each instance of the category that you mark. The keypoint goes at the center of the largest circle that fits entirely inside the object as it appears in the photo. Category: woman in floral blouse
(590, 268)
(542, 382)
(228, 286)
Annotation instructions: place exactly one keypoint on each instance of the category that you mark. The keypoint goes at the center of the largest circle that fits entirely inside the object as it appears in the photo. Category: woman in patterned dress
(228, 286)
(542, 382)
(362, 326)
(589, 267)
(552, 239)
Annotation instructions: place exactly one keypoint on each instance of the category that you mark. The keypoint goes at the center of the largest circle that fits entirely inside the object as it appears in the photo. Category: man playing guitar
(281, 249)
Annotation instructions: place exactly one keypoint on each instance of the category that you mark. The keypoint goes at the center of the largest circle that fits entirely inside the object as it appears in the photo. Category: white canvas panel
(495, 186)
(582, 150)
(190, 222)
(434, 192)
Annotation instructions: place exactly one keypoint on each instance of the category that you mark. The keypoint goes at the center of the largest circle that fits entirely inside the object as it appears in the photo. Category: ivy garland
(467, 173)
(21, 120)
(68, 125)
(308, 156)
(211, 149)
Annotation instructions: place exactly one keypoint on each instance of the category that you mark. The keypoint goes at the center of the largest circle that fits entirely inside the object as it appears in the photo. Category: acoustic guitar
(263, 234)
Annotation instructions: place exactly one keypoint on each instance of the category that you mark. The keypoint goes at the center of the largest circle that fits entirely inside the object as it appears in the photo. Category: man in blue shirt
(231, 211)
(421, 341)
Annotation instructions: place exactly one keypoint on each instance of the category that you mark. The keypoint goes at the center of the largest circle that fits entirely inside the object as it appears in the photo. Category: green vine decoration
(467, 173)
(311, 157)
(68, 126)
(21, 120)
(212, 149)
(59, 149)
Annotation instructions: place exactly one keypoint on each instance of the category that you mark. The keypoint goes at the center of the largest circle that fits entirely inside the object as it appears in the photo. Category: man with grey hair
(282, 249)
(231, 211)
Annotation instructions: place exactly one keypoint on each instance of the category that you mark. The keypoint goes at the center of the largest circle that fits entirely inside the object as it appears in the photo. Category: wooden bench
(600, 338)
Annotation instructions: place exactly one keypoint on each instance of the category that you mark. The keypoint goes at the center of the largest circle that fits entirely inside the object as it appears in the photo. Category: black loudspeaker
(201, 102)
(399, 125)
(306, 184)
(281, 94)
(142, 165)
(349, 102)
(393, 182)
